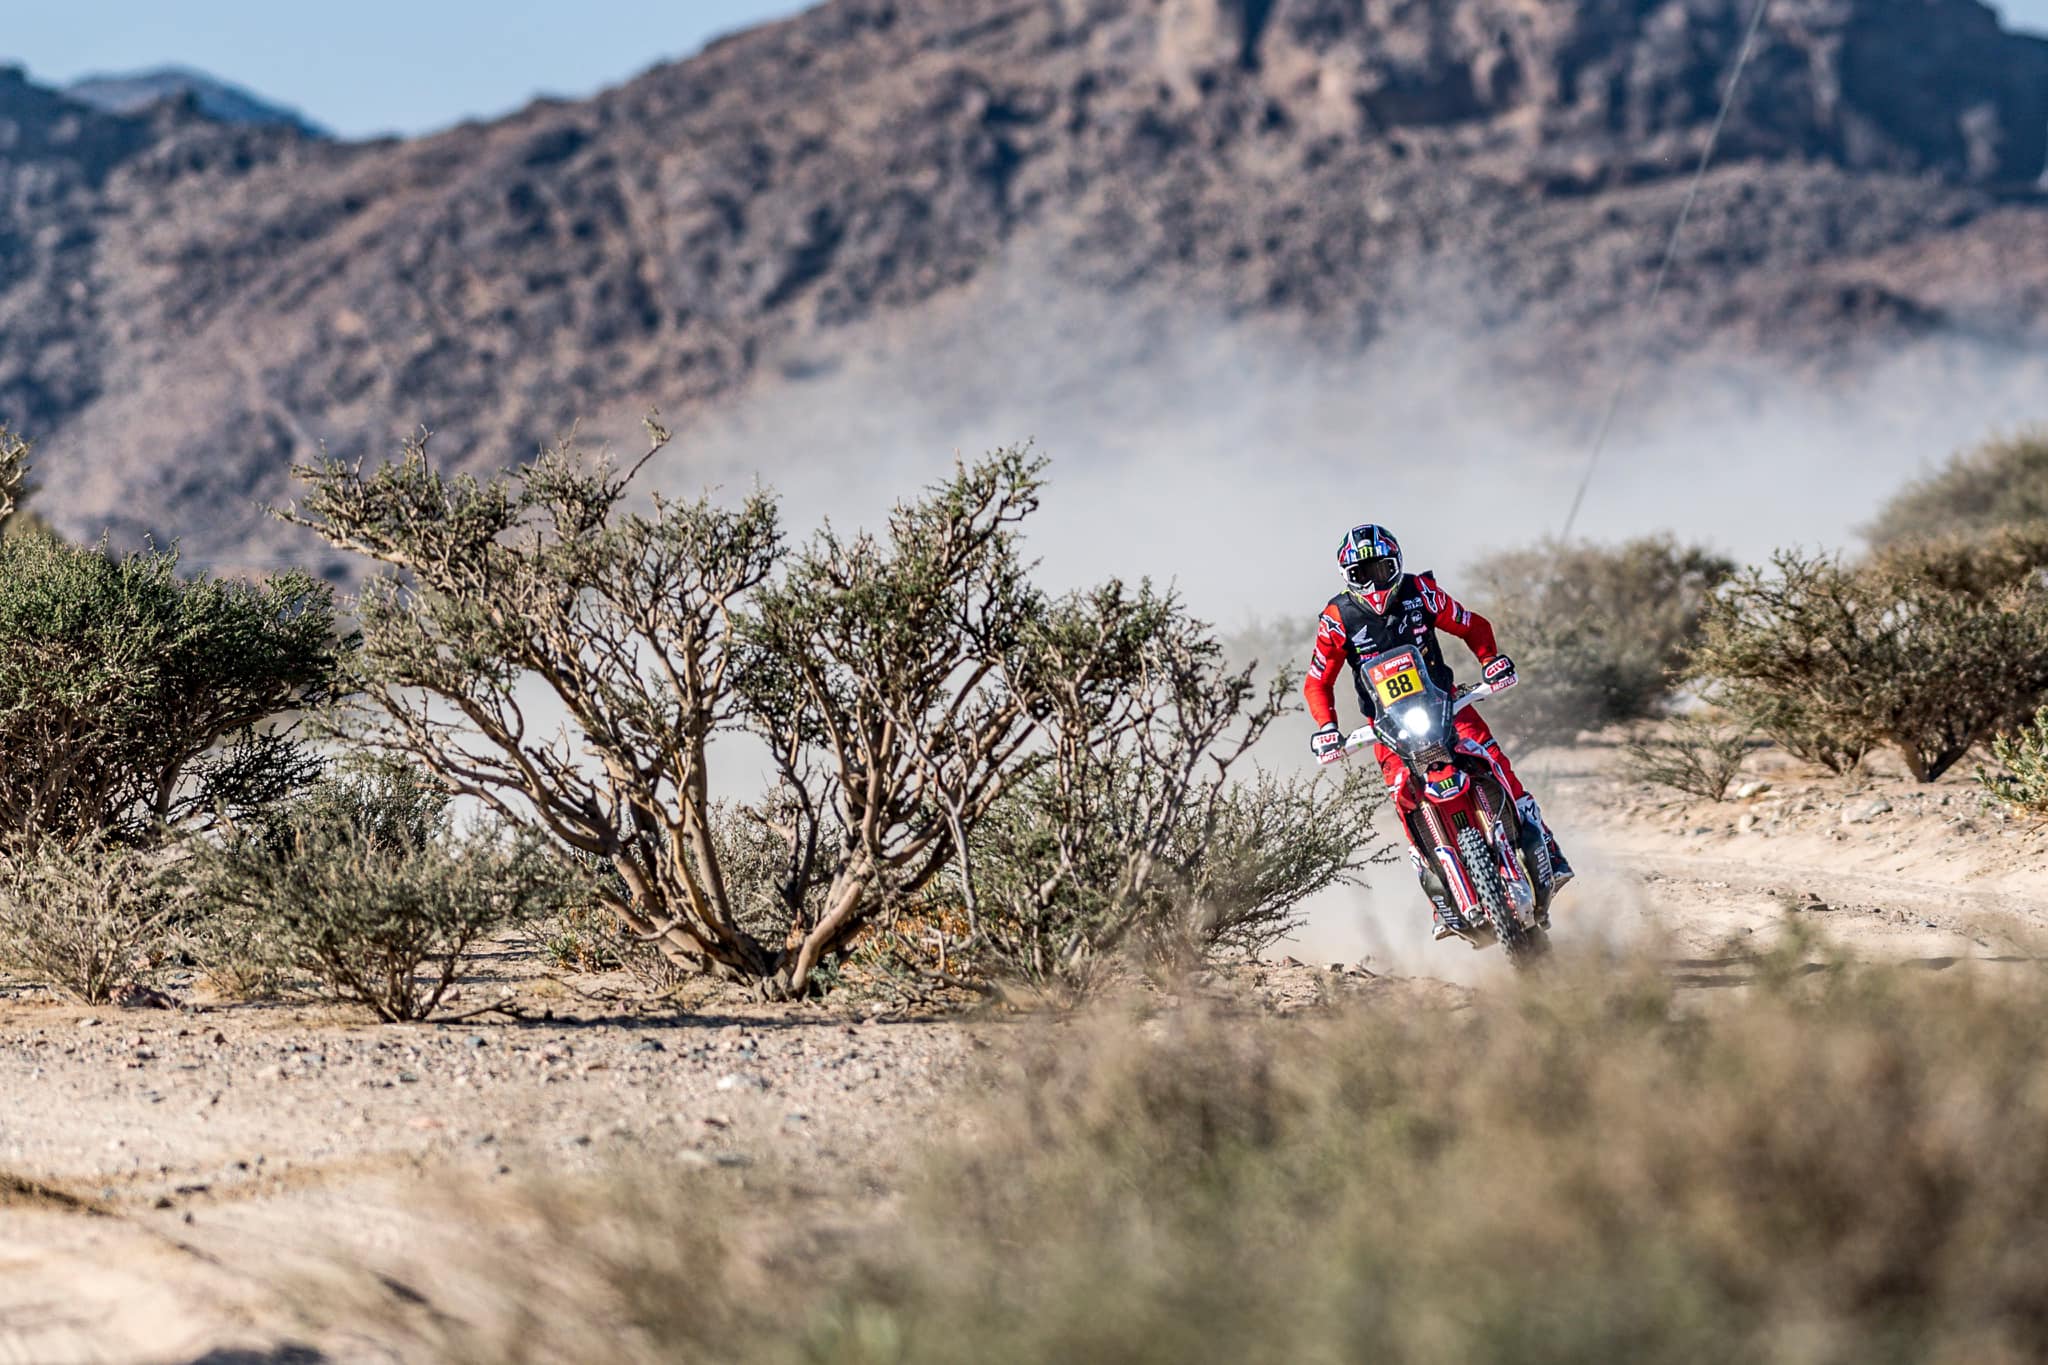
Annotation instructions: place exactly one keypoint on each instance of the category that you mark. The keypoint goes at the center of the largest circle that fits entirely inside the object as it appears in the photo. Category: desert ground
(262, 1183)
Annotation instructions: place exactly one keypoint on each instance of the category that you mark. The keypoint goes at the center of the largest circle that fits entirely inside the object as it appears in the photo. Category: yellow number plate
(1396, 680)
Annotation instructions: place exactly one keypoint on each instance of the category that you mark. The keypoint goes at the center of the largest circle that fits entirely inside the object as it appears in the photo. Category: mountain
(187, 307)
(135, 91)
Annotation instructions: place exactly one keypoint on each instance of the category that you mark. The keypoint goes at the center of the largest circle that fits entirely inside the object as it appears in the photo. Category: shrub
(1599, 632)
(1930, 652)
(2002, 483)
(2023, 756)
(1842, 1167)
(1698, 755)
(14, 453)
(363, 882)
(84, 917)
(542, 581)
(1134, 834)
(133, 700)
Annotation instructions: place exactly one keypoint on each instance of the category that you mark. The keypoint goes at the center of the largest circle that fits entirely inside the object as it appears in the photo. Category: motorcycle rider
(1382, 608)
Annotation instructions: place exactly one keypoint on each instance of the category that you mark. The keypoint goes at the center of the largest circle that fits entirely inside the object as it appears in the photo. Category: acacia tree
(564, 659)
(881, 676)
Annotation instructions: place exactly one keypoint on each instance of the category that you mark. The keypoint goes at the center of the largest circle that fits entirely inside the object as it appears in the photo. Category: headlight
(1417, 721)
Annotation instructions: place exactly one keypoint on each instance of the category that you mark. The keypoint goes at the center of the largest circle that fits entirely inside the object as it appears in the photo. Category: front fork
(1452, 800)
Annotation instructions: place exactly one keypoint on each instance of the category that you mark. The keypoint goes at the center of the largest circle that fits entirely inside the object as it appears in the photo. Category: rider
(1382, 608)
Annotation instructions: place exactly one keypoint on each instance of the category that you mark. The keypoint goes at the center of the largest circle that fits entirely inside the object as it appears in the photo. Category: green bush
(1929, 650)
(1598, 632)
(83, 919)
(1698, 755)
(2023, 758)
(365, 885)
(2000, 484)
(133, 700)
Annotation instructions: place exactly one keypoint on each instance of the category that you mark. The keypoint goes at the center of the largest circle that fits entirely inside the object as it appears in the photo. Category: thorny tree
(880, 674)
(566, 660)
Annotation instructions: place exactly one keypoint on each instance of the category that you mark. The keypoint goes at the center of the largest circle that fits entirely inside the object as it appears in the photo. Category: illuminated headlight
(1417, 721)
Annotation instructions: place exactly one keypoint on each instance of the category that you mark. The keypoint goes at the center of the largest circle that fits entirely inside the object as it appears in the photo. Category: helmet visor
(1381, 573)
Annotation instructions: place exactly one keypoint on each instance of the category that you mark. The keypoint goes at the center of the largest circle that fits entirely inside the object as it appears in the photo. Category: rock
(1865, 812)
(1751, 789)
(1747, 822)
(649, 1045)
(737, 1080)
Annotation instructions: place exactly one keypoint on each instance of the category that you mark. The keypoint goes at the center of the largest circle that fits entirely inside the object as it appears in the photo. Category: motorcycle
(1475, 850)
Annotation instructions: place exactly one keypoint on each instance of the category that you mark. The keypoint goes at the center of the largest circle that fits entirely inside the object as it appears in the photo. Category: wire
(1643, 320)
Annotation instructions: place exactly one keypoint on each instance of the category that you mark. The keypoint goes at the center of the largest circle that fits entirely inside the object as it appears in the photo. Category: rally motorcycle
(1475, 850)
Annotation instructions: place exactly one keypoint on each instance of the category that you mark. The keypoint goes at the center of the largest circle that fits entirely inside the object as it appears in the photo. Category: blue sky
(363, 67)
(374, 66)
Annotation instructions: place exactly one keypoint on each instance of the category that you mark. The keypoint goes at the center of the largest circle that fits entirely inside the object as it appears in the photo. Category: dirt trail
(1880, 867)
(174, 1183)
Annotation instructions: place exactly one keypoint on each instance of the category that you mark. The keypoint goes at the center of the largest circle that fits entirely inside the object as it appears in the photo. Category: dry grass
(1841, 1166)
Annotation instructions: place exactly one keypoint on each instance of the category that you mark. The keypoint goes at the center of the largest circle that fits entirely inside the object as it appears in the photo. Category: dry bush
(365, 886)
(2022, 757)
(1135, 836)
(1844, 1167)
(2002, 483)
(1698, 755)
(1599, 631)
(1928, 649)
(82, 919)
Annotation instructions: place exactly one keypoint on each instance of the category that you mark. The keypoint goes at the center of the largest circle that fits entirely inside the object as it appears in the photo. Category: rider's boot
(1449, 923)
(1560, 870)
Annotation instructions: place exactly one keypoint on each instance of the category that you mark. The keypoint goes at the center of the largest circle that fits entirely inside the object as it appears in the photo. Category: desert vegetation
(911, 684)
(2001, 484)
(1837, 1166)
(563, 656)
(1605, 628)
(1931, 647)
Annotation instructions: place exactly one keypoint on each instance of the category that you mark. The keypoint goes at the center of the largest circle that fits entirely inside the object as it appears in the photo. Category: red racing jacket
(1349, 633)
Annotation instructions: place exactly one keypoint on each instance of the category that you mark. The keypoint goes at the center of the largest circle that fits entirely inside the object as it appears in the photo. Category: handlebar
(1366, 735)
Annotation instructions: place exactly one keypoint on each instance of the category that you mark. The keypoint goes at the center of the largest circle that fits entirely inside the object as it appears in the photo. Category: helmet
(1371, 560)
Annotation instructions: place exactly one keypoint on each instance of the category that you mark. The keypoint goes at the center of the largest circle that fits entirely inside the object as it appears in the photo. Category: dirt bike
(1476, 852)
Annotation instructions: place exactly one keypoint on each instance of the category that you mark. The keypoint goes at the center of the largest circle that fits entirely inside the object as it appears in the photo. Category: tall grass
(1834, 1166)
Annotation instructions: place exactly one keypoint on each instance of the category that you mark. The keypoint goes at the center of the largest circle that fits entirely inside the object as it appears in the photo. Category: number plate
(1396, 680)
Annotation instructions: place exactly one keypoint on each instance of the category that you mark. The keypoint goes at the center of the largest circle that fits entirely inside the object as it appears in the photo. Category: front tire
(1523, 946)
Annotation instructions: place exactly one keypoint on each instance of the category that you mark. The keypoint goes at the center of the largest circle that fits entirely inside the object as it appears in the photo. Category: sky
(365, 67)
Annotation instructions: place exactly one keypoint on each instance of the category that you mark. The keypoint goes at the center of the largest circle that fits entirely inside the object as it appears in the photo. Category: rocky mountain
(135, 91)
(188, 307)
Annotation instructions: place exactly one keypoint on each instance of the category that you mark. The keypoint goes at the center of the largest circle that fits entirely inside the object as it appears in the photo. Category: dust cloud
(1229, 457)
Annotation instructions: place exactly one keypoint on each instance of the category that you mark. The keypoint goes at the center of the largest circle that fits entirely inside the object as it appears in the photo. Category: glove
(1500, 672)
(1327, 744)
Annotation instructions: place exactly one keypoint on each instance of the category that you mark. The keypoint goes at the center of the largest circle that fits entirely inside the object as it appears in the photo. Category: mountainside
(135, 91)
(186, 308)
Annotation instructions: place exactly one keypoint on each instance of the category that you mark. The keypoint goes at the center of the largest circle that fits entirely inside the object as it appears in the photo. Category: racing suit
(1349, 633)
